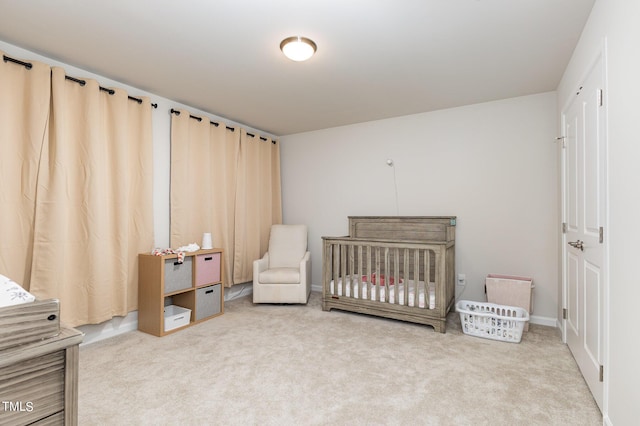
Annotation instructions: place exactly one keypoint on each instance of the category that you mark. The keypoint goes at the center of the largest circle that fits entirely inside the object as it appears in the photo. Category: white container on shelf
(175, 317)
(207, 241)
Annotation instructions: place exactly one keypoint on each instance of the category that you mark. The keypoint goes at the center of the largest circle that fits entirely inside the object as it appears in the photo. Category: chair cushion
(280, 276)
(287, 245)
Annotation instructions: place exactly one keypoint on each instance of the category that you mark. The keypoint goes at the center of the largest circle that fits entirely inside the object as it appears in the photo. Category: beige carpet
(293, 364)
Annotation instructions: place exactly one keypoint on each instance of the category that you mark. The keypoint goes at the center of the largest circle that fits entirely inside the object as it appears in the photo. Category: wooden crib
(400, 267)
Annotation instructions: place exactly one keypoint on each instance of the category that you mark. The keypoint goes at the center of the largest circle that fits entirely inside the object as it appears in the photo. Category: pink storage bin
(207, 268)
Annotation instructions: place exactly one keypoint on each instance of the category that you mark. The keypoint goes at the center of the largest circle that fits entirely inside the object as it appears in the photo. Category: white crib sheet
(392, 293)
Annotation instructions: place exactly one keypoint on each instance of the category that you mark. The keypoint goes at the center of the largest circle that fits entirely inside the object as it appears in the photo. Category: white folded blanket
(12, 294)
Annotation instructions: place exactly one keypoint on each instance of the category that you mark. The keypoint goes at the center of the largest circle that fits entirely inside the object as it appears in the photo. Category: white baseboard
(238, 290)
(548, 321)
(118, 325)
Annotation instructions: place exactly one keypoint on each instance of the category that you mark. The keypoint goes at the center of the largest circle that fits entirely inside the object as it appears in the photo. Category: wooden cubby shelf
(195, 284)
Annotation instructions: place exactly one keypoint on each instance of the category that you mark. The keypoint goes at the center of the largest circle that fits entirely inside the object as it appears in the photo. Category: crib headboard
(404, 228)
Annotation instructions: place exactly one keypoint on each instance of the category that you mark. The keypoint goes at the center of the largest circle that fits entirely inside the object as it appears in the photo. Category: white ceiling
(376, 58)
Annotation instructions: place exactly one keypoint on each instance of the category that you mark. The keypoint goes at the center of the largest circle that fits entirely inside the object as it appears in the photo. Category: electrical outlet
(462, 279)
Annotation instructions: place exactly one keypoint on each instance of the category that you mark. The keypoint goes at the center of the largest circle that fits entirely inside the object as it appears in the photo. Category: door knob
(577, 244)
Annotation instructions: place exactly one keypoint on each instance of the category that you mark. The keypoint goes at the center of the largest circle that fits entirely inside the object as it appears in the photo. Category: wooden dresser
(39, 378)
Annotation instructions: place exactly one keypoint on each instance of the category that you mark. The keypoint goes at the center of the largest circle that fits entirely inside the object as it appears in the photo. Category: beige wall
(493, 165)
(614, 24)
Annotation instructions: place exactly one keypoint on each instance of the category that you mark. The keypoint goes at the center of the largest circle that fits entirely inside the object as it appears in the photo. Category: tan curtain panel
(224, 174)
(138, 192)
(93, 211)
(203, 178)
(258, 202)
(190, 180)
(225, 182)
(24, 111)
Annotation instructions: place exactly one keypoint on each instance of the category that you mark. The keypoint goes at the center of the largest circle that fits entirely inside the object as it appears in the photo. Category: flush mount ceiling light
(298, 48)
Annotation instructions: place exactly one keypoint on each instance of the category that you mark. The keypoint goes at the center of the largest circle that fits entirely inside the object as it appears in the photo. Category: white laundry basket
(491, 321)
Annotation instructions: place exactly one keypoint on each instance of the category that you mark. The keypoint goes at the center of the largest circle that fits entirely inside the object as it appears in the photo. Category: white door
(584, 237)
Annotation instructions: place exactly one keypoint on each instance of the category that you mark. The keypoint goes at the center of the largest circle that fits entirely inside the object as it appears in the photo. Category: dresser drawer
(32, 389)
(29, 322)
(207, 268)
(177, 276)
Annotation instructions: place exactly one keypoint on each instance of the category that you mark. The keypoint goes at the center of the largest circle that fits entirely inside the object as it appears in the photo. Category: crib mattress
(410, 284)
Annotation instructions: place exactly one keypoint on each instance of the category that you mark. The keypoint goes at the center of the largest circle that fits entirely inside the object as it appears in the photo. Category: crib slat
(369, 254)
(336, 268)
(427, 279)
(396, 273)
(343, 268)
(387, 287)
(417, 259)
(352, 272)
(407, 276)
(416, 275)
(359, 271)
(377, 272)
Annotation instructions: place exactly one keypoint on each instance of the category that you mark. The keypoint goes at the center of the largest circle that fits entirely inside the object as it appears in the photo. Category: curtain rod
(28, 66)
(105, 89)
(176, 112)
(261, 137)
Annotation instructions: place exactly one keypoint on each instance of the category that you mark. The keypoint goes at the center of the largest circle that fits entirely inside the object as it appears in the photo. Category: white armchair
(283, 275)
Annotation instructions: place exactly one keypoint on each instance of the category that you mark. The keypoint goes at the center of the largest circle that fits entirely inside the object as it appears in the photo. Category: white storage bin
(491, 321)
(510, 290)
(176, 316)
